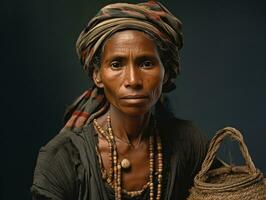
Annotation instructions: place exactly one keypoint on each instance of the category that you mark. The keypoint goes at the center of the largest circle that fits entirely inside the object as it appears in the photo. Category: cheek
(111, 88)
(155, 84)
(156, 93)
(111, 96)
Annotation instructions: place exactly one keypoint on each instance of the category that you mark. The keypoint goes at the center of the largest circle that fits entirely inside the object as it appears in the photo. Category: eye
(147, 64)
(116, 65)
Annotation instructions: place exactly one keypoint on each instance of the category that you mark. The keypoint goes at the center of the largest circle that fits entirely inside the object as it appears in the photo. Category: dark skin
(131, 75)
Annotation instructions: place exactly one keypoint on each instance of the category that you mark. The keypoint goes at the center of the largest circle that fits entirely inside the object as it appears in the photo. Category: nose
(133, 78)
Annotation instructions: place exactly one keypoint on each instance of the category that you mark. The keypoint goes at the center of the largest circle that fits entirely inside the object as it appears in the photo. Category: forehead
(129, 40)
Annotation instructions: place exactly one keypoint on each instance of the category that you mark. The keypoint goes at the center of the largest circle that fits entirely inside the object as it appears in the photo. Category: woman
(119, 141)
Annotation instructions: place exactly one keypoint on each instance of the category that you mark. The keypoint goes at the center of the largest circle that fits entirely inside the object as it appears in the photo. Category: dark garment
(68, 166)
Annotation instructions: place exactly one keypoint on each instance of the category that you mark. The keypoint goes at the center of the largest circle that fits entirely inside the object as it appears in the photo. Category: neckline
(93, 137)
(99, 164)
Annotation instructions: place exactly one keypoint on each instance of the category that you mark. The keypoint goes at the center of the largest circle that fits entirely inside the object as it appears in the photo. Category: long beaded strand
(151, 148)
(115, 170)
(117, 166)
(160, 166)
(110, 146)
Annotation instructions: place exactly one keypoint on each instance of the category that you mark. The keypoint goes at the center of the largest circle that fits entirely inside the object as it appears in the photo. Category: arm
(54, 176)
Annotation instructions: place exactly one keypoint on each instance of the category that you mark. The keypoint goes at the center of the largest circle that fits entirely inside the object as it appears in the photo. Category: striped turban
(150, 17)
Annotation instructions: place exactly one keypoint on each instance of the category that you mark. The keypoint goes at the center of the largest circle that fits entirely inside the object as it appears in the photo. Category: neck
(128, 128)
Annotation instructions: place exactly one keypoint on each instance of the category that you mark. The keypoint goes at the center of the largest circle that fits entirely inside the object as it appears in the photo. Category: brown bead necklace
(114, 176)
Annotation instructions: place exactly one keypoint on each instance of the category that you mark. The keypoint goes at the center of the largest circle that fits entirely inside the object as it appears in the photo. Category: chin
(135, 111)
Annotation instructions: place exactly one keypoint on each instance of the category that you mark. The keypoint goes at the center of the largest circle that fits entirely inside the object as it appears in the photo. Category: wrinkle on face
(133, 51)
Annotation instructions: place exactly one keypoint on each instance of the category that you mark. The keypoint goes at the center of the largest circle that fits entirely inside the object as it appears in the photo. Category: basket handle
(215, 144)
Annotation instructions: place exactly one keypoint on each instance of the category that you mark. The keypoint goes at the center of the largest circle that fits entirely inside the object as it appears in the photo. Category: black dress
(68, 167)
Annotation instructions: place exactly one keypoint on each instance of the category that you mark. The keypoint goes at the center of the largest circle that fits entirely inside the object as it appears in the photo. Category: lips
(135, 100)
(135, 97)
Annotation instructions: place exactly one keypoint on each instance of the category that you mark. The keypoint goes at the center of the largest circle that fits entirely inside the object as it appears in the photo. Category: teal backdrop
(222, 82)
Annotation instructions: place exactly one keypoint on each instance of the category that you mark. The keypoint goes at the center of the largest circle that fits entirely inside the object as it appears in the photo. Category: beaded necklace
(114, 176)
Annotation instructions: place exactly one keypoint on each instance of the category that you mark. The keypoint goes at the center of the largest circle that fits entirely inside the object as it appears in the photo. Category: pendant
(125, 163)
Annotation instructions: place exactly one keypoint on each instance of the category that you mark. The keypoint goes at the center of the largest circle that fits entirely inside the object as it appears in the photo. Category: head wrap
(150, 17)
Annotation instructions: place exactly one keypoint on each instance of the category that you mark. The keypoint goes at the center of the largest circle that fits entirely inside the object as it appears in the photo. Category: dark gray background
(222, 81)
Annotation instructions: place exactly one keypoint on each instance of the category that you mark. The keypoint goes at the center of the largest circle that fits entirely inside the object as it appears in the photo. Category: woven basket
(228, 182)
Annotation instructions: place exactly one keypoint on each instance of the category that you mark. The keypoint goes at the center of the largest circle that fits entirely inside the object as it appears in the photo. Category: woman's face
(131, 72)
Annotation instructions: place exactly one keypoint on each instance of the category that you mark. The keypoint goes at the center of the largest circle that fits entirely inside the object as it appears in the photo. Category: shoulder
(189, 133)
(58, 149)
(178, 130)
(58, 141)
(187, 143)
(182, 132)
(191, 141)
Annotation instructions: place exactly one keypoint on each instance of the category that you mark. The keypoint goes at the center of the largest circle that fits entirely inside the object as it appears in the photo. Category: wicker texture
(228, 182)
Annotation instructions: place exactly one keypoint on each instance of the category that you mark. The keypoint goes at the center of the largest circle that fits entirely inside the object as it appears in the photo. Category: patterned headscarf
(150, 17)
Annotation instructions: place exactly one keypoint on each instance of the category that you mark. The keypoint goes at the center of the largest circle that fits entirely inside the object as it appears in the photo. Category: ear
(97, 78)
